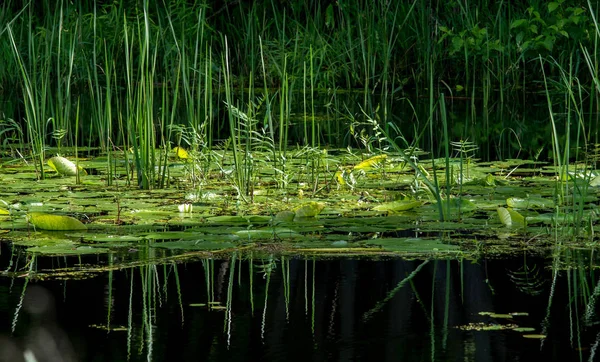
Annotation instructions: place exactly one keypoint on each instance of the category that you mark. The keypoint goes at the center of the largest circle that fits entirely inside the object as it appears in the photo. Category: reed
(124, 61)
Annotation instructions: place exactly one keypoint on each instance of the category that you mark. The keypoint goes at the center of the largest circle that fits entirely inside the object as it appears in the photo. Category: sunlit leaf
(529, 203)
(180, 152)
(396, 206)
(523, 329)
(45, 221)
(510, 217)
(64, 167)
(370, 162)
(504, 216)
(339, 176)
(310, 209)
(517, 219)
(496, 315)
(534, 336)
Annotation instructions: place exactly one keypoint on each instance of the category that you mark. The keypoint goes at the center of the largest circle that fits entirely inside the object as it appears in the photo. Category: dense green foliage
(144, 75)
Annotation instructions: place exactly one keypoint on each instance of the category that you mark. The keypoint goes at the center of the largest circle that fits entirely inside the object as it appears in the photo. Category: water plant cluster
(302, 100)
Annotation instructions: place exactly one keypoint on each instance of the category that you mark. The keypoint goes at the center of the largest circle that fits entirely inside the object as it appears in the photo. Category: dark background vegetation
(480, 51)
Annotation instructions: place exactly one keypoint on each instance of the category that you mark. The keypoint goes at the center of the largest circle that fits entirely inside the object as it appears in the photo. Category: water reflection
(288, 309)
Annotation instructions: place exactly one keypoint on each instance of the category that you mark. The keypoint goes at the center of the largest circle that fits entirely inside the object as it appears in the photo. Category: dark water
(308, 310)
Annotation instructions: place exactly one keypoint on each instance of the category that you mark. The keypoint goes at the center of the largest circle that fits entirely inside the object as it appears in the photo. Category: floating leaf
(396, 206)
(504, 216)
(285, 216)
(310, 209)
(523, 329)
(495, 315)
(65, 167)
(280, 233)
(413, 245)
(534, 336)
(510, 217)
(339, 176)
(225, 219)
(529, 203)
(195, 245)
(180, 152)
(44, 221)
(370, 162)
(67, 250)
(595, 181)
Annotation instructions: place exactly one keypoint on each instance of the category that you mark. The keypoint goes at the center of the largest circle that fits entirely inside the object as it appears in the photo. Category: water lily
(187, 208)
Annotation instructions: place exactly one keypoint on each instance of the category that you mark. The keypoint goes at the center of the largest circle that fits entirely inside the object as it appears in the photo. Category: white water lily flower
(185, 208)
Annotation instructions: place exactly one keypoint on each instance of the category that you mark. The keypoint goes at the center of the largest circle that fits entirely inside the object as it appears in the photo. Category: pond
(318, 255)
(298, 309)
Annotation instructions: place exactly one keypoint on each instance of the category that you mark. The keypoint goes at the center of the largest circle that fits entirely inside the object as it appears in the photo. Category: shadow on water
(292, 309)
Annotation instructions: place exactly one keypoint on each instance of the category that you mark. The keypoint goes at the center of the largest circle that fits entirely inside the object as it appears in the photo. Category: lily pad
(529, 203)
(534, 336)
(64, 166)
(280, 233)
(413, 245)
(523, 329)
(180, 152)
(62, 249)
(396, 206)
(45, 221)
(310, 209)
(195, 245)
(510, 217)
(370, 162)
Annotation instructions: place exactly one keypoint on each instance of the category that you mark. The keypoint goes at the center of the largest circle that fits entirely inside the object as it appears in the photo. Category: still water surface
(293, 309)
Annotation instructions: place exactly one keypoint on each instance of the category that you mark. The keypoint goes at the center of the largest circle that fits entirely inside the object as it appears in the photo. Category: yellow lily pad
(534, 336)
(45, 221)
(64, 167)
(310, 209)
(180, 152)
(370, 162)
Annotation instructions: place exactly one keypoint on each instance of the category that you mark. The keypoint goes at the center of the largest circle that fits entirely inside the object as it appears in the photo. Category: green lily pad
(413, 245)
(510, 217)
(195, 245)
(239, 219)
(108, 238)
(281, 233)
(285, 216)
(529, 203)
(62, 249)
(457, 203)
(496, 315)
(534, 336)
(396, 206)
(523, 329)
